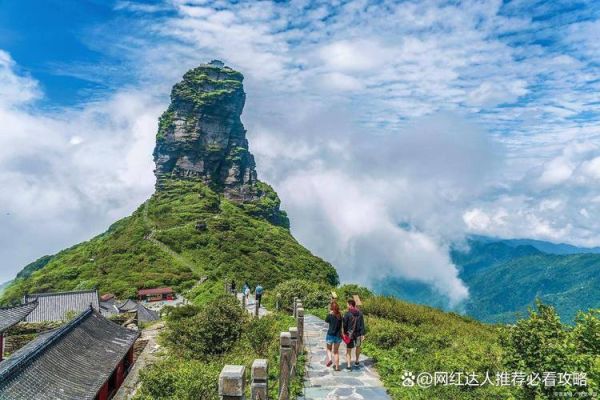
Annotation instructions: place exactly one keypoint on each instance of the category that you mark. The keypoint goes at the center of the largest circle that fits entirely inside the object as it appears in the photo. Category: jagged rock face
(201, 136)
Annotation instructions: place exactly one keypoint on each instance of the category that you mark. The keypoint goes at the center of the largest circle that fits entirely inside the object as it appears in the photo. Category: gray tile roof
(10, 316)
(146, 315)
(143, 314)
(71, 362)
(56, 306)
(109, 307)
(128, 305)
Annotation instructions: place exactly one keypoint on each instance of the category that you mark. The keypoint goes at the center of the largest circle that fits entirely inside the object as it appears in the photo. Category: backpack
(259, 290)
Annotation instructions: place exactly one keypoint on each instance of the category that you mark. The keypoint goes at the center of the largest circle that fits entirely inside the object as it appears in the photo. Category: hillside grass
(407, 337)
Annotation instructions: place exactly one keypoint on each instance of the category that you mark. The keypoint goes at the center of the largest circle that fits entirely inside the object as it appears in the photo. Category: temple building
(143, 314)
(156, 294)
(85, 359)
(10, 316)
(60, 306)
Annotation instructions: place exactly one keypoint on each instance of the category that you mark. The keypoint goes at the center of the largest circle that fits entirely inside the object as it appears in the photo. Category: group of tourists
(348, 328)
(258, 292)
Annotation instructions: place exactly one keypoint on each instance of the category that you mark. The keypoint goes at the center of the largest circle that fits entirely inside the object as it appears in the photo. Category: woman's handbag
(348, 338)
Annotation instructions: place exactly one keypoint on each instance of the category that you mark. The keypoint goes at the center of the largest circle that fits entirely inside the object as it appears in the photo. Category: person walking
(333, 337)
(354, 328)
(246, 292)
(233, 286)
(258, 292)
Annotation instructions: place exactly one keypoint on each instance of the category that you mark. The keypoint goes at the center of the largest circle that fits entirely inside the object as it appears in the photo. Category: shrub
(543, 343)
(260, 334)
(400, 311)
(211, 331)
(313, 295)
(179, 380)
(387, 334)
(176, 313)
(346, 291)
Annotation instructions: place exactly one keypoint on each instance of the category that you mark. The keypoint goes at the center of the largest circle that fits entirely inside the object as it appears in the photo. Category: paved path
(146, 358)
(150, 237)
(251, 307)
(323, 383)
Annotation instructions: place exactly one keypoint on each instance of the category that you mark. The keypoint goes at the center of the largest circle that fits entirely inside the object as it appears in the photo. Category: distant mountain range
(505, 277)
(546, 247)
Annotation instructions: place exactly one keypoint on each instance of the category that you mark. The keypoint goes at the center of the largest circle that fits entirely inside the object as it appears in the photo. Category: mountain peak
(201, 136)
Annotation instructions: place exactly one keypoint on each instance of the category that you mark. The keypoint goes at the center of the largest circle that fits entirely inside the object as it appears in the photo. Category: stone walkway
(251, 307)
(148, 356)
(323, 383)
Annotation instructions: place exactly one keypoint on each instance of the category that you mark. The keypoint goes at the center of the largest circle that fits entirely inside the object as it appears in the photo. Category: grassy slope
(233, 245)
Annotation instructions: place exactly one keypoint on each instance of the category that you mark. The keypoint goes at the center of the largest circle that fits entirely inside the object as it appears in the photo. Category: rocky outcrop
(201, 136)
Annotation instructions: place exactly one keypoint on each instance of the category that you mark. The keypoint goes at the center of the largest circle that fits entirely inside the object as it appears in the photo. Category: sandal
(336, 368)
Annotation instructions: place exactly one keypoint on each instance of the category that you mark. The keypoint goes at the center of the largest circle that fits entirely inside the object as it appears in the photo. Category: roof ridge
(19, 305)
(59, 293)
(58, 333)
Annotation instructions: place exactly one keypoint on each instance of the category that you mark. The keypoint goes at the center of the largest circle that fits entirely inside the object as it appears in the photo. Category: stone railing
(232, 380)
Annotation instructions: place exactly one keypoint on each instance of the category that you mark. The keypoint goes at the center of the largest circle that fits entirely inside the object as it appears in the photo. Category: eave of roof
(90, 345)
(162, 290)
(10, 316)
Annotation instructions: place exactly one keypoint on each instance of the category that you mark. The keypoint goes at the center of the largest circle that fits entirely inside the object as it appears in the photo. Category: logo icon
(408, 379)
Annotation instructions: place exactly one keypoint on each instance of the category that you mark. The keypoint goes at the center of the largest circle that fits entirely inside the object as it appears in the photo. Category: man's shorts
(356, 342)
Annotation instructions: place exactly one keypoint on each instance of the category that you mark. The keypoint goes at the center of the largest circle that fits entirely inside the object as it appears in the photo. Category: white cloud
(15, 89)
(348, 56)
(492, 93)
(343, 82)
(71, 173)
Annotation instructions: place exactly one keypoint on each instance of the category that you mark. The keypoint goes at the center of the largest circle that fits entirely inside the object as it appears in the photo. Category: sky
(391, 130)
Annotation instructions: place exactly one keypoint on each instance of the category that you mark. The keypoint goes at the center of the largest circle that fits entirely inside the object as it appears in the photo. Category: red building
(86, 359)
(156, 294)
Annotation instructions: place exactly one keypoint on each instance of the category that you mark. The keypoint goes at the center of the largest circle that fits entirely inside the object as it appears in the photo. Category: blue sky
(389, 129)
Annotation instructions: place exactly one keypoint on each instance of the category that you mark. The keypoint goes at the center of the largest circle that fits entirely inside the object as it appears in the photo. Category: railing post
(300, 324)
(259, 374)
(294, 307)
(232, 382)
(277, 301)
(294, 345)
(285, 365)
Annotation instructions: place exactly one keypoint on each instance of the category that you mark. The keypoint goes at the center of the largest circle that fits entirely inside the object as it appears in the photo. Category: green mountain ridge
(504, 280)
(209, 220)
